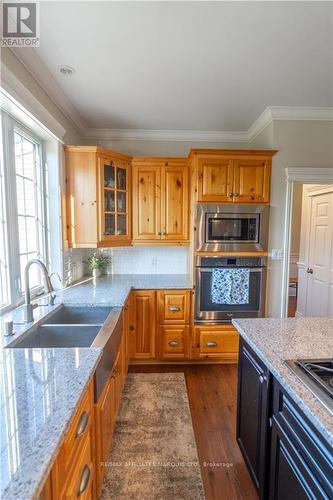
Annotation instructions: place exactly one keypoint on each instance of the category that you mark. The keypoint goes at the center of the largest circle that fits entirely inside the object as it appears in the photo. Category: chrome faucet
(28, 307)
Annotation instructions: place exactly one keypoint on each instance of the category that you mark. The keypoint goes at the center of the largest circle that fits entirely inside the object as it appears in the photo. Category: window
(24, 201)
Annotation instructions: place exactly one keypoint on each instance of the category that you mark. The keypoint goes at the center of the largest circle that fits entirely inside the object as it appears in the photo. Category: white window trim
(9, 124)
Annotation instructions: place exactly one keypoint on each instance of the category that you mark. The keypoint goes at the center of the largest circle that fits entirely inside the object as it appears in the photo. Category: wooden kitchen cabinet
(215, 342)
(173, 317)
(98, 197)
(143, 324)
(232, 176)
(160, 200)
(105, 419)
(74, 468)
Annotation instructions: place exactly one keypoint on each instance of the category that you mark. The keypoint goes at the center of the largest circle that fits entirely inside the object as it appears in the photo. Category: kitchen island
(284, 430)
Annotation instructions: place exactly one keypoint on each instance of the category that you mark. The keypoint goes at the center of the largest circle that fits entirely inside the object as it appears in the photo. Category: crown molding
(314, 175)
(38, 70)
(165, 135)
(33, 63)
(18, 94)
(307, 113)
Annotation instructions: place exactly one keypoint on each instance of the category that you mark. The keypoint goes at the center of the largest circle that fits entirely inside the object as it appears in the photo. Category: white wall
(300, 143)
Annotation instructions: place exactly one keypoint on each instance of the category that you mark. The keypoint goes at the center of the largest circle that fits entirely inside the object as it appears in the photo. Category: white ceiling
(188, 65)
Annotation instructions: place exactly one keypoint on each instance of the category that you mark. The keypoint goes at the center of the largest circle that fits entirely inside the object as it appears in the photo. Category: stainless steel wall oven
(222, 311)
(231, 228)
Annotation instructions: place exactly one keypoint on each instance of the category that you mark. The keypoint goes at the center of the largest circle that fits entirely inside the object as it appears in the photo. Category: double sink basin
(80, 327)
(67, 327)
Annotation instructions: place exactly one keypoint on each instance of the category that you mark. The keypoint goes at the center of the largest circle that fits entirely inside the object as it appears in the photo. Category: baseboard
(136, 362)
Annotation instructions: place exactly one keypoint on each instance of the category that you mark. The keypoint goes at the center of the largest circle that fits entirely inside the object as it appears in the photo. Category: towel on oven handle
(230, 286)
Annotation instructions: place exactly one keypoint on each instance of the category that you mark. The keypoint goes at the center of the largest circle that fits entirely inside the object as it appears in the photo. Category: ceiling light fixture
(67, 70)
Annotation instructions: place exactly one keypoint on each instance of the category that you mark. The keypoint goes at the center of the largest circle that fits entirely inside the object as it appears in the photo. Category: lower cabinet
(287, 458)
(252, 416)
(143, 324)
(215, 342)
(105, 419)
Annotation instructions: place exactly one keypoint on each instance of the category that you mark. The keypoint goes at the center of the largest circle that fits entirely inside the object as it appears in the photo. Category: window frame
(9, 125)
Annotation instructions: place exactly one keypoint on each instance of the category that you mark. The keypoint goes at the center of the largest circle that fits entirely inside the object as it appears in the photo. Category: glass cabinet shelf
(115, 196)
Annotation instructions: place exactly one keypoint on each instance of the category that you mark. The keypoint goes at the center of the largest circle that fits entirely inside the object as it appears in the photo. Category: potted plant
(98, 263)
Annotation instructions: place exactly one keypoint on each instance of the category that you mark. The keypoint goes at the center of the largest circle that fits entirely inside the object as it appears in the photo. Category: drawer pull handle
(173, 343)
(84, 481)
(83, 422)
(174, 308)
(211, 343)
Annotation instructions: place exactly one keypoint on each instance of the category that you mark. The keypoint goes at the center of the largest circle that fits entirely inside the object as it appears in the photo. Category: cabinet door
(251, 181)
(81, 483)
(215, 180)
(146, 202)
(105, 414)
(126, 326)
(81, 199)
(174, 202)
(114, 182)
(173, 341)
(143, 324)
(288, 479)
(252, 413)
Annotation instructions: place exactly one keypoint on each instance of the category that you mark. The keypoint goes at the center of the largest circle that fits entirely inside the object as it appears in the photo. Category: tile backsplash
(74, 267)
(148, 260)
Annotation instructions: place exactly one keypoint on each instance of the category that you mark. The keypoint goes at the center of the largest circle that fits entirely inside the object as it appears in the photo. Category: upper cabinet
(98, 197)
(160, 200)
(232, 176)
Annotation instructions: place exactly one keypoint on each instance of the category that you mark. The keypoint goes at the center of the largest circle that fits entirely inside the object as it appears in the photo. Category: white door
(319, 293)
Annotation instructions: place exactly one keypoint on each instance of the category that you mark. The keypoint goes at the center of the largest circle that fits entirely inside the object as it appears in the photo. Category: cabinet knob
(159, 233)
(230, 195)
(309, 270)
(211, 343)
(131, 328)
(173, 343)
(262, 379)
(236, 195)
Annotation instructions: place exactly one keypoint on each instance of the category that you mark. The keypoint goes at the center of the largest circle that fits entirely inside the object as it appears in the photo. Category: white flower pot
(96, 273)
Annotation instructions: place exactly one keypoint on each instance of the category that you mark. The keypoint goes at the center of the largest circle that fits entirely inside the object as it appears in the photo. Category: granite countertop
(41, 388)
(276, 340)
(112, 290)
(40, 391)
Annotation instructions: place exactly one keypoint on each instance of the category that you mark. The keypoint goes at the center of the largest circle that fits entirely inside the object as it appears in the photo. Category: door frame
(306, 175)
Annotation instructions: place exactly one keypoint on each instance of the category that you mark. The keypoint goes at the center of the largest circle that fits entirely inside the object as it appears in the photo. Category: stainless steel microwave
(231, 228)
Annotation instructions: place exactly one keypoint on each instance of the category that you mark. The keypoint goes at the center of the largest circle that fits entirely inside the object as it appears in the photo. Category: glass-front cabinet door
(114, 193)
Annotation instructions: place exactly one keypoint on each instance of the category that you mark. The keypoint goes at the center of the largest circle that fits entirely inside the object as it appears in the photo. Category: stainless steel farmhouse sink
(67, 327)
(77, 326)
(68, 315)
(59, 336)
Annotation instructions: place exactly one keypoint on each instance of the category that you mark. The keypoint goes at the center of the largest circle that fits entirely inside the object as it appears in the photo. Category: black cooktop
(317, 375)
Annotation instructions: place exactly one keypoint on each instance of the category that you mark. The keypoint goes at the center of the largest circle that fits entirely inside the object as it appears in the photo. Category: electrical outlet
(277, 254)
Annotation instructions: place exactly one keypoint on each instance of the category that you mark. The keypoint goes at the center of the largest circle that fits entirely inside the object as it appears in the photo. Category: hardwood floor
(292, 305)
(212, 397)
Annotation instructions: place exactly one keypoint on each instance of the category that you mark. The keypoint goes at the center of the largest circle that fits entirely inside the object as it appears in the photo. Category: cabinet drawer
(81, 479)
(174, 306)
(217, 343)
(78, 430)
(173, 342)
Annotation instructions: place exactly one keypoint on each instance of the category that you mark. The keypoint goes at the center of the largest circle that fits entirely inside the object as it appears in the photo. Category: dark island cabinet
(287, 457)
(253, 390)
